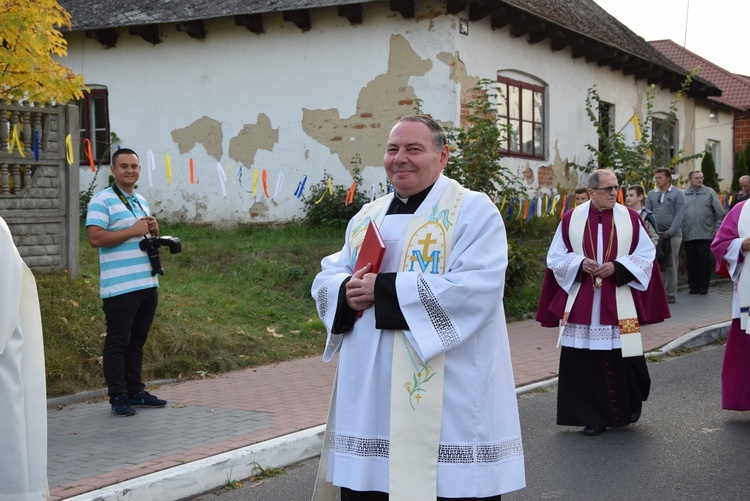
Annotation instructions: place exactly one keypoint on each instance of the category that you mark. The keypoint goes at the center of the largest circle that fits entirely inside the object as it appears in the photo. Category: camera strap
(124, 200)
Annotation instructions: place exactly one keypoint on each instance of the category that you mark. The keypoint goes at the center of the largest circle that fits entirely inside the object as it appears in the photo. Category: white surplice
(23, 396)
(565, 266)
(460, 313)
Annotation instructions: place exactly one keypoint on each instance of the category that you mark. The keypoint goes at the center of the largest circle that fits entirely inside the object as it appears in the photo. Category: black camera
(151, 247)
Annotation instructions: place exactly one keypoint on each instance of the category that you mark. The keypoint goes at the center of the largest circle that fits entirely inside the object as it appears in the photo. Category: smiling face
(605, 196)
(412, 163)
(633, 199)
(126, 169)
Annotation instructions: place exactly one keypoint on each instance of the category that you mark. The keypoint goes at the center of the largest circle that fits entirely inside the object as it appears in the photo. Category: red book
(372, 251)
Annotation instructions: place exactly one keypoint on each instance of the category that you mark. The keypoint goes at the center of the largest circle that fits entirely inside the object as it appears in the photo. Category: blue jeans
(129, 317)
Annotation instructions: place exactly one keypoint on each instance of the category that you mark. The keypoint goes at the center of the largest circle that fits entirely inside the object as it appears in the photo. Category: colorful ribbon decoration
(279, 183)
(89, 153)
(239, 179)
(264, 181)
(192, 171)
(36, 144)
(69, 149)
(350, 194)
(329, 190)
(168, 165)
(222, 179)
(15, 141)
(255, 181)
(300, 187)
(150, 167)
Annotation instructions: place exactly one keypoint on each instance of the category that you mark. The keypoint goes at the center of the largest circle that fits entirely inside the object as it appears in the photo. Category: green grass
(231, 299)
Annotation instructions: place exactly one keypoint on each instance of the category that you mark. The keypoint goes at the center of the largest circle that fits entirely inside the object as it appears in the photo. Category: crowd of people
(423, 403)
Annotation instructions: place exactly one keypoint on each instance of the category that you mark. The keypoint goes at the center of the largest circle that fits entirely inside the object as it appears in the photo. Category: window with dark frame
(93, 111)
(521, 106)
(663, 142)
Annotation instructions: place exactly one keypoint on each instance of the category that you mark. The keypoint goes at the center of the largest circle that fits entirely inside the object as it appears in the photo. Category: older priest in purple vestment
(730, 247)
(602, 283)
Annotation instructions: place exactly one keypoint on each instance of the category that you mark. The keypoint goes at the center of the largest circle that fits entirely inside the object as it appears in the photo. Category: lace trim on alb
(448, 453)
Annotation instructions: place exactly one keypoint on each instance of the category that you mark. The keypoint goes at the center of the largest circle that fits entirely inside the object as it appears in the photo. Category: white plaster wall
(722, 131)
(569, 130)
(233, 76)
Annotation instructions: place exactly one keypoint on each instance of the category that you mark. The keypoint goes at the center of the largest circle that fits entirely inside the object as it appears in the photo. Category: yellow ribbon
(168, 164)
(255, 181)
(330, 190)
(69, 149)
(15, 140)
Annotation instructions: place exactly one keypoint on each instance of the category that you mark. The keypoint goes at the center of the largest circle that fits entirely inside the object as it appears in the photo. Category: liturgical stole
(416, 385)
(630, 332)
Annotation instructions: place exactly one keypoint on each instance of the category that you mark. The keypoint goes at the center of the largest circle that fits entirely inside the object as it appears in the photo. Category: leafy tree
(29, 39)
(477, 149)
(740, 169)
(632, 162)
(708, 167)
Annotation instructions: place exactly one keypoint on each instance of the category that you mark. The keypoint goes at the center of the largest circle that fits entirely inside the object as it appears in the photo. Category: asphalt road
(685, 447)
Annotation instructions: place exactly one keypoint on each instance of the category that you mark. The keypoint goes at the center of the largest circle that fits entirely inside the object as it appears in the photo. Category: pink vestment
(735, 373)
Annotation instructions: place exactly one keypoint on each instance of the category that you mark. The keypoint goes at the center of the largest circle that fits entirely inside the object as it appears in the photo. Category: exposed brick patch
(546, 177)
(528, 175)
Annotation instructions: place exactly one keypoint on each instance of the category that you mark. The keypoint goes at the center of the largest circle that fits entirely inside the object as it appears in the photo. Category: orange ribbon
(89, 153)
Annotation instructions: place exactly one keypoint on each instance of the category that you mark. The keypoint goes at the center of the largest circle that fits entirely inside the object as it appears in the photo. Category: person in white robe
(424, 403)
(23, 394)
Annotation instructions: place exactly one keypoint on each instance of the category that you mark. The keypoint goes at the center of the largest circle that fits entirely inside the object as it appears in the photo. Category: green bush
(326, 205)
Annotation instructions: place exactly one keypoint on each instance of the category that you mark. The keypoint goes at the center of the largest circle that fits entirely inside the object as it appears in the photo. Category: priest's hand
(360, 290)
(605, 270)
(746, 245)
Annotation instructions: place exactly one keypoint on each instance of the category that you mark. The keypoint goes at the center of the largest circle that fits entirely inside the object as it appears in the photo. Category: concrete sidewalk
(218, 430)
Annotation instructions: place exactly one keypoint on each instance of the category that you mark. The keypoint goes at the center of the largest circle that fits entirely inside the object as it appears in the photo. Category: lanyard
(124, 200)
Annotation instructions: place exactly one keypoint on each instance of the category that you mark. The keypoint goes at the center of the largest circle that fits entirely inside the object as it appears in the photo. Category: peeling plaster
(458, 71)
(258, 210)
(253, 137)
(205, 131)
(380, 104)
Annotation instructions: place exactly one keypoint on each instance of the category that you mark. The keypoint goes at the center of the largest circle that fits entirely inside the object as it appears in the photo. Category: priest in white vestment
(602, 283)
(23, 394)
(424, 404)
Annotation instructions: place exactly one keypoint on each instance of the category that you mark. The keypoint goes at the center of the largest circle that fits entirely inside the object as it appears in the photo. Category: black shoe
(635, 416)
(145, 399)
(121, 406)
(592, 431)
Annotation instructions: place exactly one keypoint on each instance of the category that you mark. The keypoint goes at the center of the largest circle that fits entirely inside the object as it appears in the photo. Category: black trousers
(129, 318)
(350, 495)
(700, 263)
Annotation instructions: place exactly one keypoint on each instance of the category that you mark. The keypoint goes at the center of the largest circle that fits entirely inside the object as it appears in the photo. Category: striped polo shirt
(124, 267)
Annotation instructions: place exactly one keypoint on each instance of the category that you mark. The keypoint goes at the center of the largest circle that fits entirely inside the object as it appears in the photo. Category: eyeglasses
(607, 188)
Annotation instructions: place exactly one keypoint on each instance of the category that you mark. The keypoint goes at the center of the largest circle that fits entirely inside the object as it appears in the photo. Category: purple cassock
(735, 373)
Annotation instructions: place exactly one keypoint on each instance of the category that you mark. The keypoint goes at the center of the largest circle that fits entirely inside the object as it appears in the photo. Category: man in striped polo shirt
(118, 220)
